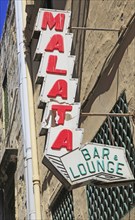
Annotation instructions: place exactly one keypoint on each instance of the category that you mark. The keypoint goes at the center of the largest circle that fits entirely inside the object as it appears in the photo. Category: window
(63, 206)
(5, 104)
(113, 203)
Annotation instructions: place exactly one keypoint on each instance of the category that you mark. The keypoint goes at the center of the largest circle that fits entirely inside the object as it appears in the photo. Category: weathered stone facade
(105, 66)
(11, 152)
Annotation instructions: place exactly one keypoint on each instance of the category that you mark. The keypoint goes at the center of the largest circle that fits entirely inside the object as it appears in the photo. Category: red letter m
(57, 21)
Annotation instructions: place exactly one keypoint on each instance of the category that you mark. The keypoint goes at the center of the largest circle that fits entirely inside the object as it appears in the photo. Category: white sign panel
(101, 165)
(60, 16)
(46, 43)
(57, 143)
(62, 90)
(107, 163)
(60, 63)
(56, 114)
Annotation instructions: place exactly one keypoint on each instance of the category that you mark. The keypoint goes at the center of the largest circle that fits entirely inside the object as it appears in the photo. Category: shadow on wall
(58, 4)
(80, 10)
(110, 66)
(46, 181)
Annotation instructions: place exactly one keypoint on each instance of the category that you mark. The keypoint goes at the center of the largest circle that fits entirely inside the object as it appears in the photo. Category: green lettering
(110, 170)
(91, 170)
(105, 153)
(118, 168)
(86, 154)
(95, 154)
(73, 173)
(99, 165)
(82, 169)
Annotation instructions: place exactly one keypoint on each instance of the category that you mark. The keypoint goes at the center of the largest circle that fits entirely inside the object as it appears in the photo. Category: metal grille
(63, 206)
(113, 203)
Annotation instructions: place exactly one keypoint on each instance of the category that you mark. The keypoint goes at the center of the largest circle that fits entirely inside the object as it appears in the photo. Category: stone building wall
(11, 151)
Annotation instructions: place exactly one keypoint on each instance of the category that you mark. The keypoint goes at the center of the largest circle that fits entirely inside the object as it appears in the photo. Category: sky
(3, 10)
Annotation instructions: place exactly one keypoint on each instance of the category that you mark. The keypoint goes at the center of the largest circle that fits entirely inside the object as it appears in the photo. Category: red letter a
(64, 140)
(56, 43)
(58, 89)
